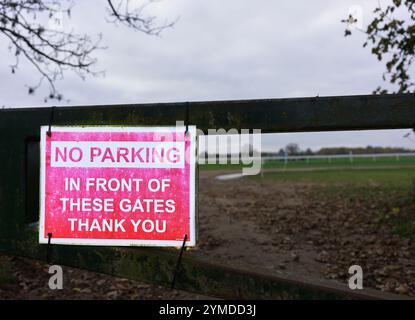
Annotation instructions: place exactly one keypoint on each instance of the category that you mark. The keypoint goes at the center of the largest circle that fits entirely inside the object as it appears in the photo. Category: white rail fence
(329, 158)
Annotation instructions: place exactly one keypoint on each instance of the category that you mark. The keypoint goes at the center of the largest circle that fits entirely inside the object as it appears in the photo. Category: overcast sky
(233, 49)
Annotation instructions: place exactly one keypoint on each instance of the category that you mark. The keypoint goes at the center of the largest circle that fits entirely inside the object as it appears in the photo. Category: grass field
(359, 177)
(408, 161)
(389, 191)
(360, 212)
(387, 184)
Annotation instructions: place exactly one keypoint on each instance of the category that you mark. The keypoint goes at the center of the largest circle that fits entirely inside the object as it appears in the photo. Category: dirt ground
(289, 228)
(22, 278)
(274, 226)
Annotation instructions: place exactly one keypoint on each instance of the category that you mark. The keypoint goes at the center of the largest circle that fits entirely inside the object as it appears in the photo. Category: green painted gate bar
(19, 133)
(270, 115)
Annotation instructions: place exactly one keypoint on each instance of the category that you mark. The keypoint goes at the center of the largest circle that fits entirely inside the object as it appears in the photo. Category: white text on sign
(125, 154)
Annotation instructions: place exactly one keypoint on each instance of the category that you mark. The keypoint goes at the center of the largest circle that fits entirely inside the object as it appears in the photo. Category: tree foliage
(54, 51)
(391, 37)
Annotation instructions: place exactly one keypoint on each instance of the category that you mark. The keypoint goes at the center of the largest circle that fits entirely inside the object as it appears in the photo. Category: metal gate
(19, 156)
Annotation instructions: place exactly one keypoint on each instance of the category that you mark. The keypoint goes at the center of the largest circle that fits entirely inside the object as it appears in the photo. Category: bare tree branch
(122, 13)
(54, 51)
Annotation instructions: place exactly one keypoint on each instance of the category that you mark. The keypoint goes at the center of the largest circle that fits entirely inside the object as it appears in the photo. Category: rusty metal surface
(270, 115)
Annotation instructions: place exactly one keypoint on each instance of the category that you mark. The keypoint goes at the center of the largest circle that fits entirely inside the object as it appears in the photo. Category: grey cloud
(234, 49)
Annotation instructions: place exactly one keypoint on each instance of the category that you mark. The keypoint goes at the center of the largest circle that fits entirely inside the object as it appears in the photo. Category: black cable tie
(52, 111)
(178, 262)
(187, 118)
(49, 248)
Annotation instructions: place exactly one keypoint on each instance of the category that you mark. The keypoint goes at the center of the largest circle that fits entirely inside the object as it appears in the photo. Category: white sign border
(117, 242)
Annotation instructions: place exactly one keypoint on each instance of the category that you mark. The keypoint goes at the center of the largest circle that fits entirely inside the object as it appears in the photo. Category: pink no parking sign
(117, 186)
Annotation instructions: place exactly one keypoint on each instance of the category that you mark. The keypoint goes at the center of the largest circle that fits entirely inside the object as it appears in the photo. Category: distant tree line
(365, 150)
